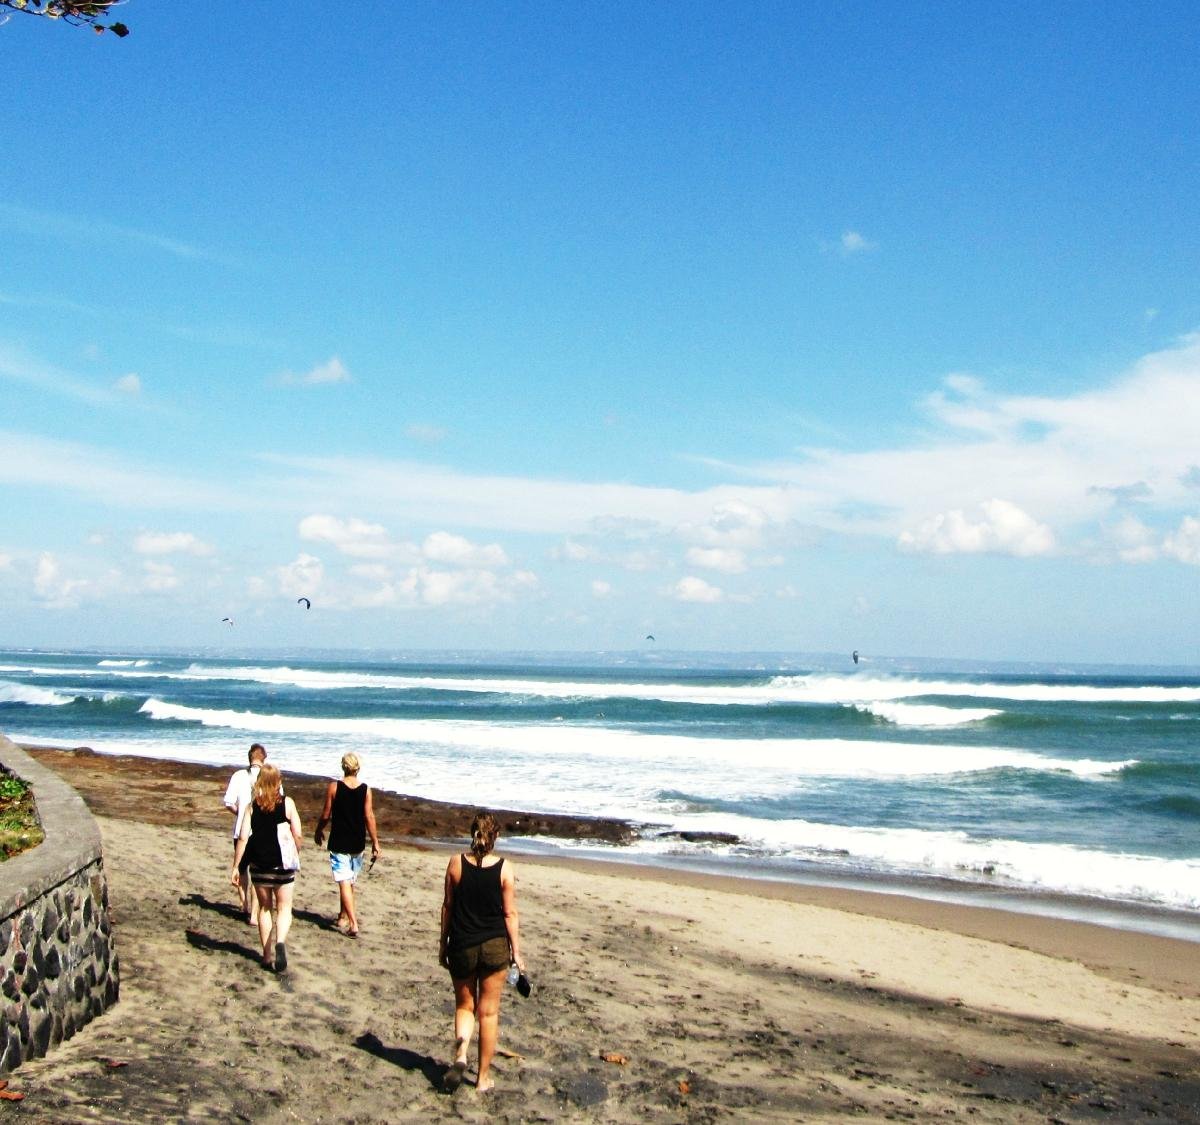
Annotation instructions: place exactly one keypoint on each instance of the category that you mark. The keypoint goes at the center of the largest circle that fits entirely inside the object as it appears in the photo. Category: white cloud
(375, 572)
(170, 543)
(5, 561)
(729, 560)
(302, 577)
(443, 547)
(731, 523)
(130, 384)
(600, 588)
(1043, 454)
(1132, 540)
(692, 589)
(19, 367)
(573, 551)
(52, 588)
(425, 433)
(1183, 544)
(468, 587)
(159, 577)
(333, 370)
(1003, 529)
(75, 226)
(854, 242)
(110, 479)
(353, 537)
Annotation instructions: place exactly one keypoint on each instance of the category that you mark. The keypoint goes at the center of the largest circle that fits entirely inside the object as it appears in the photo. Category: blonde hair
(484, 831)
(267, 787)
(350, 762)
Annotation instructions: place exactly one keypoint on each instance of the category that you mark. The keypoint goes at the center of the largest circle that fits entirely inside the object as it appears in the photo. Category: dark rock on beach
(158, 791)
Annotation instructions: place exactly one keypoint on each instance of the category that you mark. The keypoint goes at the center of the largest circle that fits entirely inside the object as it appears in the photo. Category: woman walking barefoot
(349, 814)
(480, 939)
(272, 875)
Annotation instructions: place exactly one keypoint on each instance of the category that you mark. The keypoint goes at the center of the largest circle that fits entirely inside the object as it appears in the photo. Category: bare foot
(484, 1086)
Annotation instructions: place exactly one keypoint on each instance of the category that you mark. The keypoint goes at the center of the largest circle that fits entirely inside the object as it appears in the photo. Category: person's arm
(326, 815)
(289, 806)
(230, 800)
(508, 895)
(453, 874)
(240, 850)
(369, 813)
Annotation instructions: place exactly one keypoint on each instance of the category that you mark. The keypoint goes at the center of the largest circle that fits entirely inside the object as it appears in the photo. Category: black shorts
(481, 960)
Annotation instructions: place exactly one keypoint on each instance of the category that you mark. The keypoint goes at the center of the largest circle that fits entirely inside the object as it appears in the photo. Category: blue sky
(760, 327)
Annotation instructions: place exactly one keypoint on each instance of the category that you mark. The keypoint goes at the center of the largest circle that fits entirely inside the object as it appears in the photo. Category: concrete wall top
(72, 836)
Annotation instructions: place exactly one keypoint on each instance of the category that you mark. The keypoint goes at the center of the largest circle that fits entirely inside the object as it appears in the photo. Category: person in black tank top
(263, 828)
(480, 939)
(350, 816)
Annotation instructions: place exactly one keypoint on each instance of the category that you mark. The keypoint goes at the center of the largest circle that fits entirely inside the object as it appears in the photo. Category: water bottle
(513, 974)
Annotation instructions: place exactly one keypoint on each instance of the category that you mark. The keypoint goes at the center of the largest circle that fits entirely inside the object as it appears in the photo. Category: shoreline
(126, 786)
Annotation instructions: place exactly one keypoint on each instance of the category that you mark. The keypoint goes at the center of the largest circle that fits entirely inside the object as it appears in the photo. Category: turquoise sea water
(1074, 781)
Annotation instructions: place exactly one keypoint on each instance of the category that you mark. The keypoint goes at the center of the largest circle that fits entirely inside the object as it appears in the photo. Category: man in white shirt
(238, 794)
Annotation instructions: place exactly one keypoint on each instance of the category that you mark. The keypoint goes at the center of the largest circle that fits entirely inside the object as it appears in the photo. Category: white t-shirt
(238, 794)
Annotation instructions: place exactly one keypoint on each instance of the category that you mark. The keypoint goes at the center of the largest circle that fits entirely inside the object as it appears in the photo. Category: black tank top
(348, 830)
(263, 845)
(478, 912)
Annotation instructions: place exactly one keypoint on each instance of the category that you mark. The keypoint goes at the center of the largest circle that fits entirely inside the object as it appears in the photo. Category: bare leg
(464, 1016)
(464, 1025)
(346, 892)
(251, 897)
(265, 924)
(245, 898)
(491, 988)
(283, 911)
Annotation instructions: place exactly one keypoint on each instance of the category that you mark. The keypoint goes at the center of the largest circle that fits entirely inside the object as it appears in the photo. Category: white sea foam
(821, 688)
(815, 689)
(925, 715)
(578, 784)
(791, 756)
(853, 689)
(32, 696)
(1060, 868)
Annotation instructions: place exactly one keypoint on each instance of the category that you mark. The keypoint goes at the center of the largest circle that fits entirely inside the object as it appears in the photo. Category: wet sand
(727, 1000)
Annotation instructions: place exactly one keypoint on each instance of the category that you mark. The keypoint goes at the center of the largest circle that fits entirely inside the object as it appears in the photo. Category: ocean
(1080, 783)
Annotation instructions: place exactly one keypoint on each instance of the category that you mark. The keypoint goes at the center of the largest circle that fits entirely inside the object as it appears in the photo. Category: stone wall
(58, 967)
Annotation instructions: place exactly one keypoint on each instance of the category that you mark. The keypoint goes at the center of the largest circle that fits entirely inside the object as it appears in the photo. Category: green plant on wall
(20, 828)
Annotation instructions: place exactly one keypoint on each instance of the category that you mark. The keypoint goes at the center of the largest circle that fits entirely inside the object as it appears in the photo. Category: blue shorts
(345, 868)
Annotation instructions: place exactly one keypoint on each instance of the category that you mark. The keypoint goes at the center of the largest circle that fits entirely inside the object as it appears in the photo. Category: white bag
(289, 856)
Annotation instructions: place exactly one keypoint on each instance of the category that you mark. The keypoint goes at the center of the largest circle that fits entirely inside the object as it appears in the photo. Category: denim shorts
(345, 868)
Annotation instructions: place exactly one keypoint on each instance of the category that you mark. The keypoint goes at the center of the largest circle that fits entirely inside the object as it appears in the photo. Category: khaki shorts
(479, 960)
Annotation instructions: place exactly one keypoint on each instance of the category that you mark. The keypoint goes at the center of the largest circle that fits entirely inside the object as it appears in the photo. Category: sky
(771, 327)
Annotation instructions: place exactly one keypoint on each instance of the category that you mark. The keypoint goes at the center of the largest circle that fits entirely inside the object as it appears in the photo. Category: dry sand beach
(718, 999)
